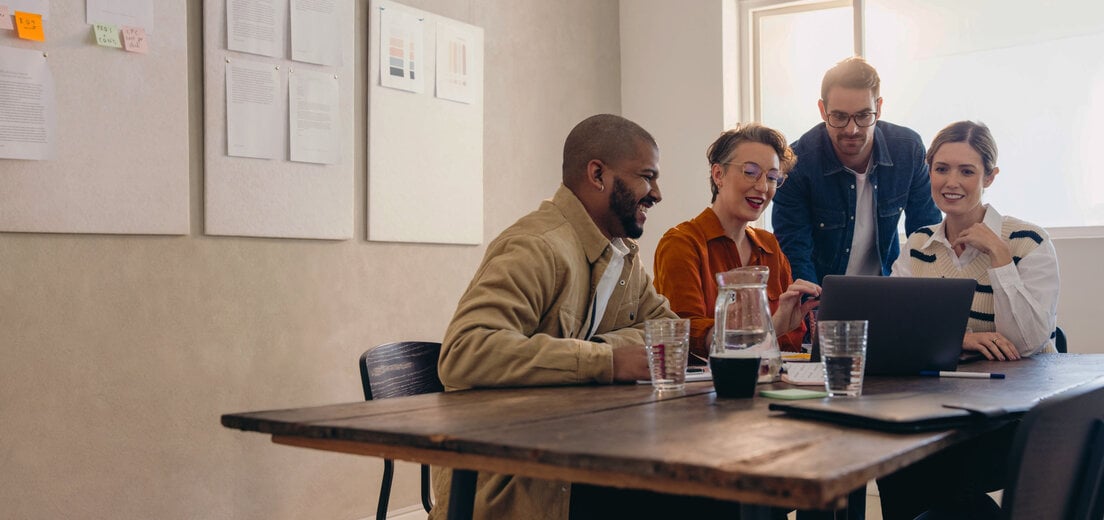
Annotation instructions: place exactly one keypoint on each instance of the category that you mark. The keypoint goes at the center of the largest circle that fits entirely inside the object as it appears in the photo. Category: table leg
(856, 504)
(754, 512)
(462, 494)
(855, 510)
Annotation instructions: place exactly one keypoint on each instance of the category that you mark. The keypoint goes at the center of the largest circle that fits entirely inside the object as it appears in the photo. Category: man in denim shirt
(837, 213)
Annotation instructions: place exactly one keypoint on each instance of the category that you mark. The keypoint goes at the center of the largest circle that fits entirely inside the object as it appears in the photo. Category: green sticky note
(107, 35)
(793, 393)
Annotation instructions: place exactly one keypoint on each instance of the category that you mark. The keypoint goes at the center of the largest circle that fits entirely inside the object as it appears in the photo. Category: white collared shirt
(602, 293)
(1025, 294)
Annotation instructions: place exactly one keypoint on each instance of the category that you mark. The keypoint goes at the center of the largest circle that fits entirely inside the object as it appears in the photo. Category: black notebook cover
(895, 412)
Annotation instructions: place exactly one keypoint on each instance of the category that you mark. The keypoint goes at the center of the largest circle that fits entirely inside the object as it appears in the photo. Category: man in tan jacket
(561, 298)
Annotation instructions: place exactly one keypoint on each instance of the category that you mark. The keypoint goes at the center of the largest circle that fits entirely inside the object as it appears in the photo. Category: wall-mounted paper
(29, 26)
(454, 62)
(6, 18)
(400, 50)
(425, 154)
(135, 13)
(314, 121)
(27, 122)
(314, 38)
(135, 40)
(107, 35)
(254, 110)
(41, 7)
(256, 26)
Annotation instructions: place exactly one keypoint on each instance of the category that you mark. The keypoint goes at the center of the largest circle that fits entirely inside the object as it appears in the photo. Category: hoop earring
(602, 188)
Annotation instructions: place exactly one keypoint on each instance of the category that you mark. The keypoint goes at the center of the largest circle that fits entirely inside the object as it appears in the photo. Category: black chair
(395, 370)
(1059, 340)
(1057, 461)
(1056, 465)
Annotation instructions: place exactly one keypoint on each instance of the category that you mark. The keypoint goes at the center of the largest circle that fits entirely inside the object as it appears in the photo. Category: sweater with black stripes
(933, 258)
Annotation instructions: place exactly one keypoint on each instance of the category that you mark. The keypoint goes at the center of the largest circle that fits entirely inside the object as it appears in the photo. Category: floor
(873, 509)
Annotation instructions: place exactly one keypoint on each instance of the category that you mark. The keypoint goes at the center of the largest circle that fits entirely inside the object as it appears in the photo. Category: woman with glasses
(1013, 314)
(746, 166)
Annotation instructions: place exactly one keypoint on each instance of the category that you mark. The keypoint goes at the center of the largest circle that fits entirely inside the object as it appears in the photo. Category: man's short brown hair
(853, 72)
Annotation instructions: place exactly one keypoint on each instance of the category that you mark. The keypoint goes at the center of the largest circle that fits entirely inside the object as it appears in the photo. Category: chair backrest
(1059, 340)
(1057, 458)
(399, 369)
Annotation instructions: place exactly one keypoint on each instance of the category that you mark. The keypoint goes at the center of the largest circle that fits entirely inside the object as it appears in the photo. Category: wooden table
(688, 443)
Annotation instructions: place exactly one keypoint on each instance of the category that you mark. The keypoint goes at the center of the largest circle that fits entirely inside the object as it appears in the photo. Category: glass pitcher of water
(742, 320)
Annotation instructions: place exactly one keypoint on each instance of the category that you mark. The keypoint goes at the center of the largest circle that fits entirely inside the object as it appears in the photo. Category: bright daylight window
(1030, 70)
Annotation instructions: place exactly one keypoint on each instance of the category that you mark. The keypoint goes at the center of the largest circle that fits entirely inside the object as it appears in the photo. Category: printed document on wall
(315, 32)
(314, 121)
(27, 119)
(401, 50)
(455, 65)
(254, 110)
(41, 7)
(131, 13)
(256, 26)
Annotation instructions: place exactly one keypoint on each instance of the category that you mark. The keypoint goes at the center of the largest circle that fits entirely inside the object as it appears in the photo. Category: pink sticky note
(134, 39)
(6, 19)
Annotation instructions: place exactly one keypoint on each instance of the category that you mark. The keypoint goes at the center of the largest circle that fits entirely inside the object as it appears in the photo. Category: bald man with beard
(560, 299)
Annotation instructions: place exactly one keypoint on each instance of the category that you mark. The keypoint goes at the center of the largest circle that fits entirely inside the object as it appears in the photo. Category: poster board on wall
(425, 134)
(275, 197)
(121, 140)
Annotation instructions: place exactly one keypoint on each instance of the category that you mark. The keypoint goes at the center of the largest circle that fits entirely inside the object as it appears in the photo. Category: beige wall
(119, 353)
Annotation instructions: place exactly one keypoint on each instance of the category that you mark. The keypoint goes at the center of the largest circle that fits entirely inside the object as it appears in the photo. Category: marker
(968, 375)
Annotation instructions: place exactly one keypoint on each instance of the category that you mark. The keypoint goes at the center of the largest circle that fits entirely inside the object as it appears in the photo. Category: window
(1029, 70)
(791, 48)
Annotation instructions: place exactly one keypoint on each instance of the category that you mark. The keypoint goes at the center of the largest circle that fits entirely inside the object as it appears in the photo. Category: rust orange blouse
(689, 255)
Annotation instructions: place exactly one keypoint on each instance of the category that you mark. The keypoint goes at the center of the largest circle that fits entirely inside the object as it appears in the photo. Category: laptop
(914, 323)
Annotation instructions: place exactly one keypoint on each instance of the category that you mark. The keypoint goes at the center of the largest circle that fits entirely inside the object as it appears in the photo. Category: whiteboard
(274, 198)
(425, 153)
(122, 134)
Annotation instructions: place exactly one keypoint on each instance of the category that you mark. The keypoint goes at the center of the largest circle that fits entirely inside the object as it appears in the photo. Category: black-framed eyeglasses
(862, 119)
(753, 172)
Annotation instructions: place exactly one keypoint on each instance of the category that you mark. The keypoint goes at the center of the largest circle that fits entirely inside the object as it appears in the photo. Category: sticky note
(6, 18)
(134, 39)
(29, 26)
(793, 393)
(107, 35)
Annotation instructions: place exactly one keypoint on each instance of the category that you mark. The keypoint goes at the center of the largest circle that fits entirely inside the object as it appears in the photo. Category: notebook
(897, 412)
(914, 323)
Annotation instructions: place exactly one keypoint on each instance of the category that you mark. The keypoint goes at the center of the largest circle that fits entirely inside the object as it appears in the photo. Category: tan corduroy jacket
(523, 321)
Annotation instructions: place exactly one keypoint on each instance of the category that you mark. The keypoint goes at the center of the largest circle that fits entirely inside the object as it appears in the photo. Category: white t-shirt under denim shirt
(864, 243)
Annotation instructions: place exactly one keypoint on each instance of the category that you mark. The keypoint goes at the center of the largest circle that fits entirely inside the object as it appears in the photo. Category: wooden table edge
(820, 499)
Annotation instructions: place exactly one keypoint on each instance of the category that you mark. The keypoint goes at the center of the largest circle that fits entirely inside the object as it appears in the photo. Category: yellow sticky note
(107, 35)
(134, 39)
(6, 18)
(29, 26)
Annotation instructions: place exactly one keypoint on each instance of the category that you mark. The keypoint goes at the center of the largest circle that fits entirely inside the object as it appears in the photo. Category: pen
(970, 375)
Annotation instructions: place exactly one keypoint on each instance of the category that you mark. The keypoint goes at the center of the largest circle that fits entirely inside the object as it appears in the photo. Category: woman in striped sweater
(1015, 306)
(1012, 316)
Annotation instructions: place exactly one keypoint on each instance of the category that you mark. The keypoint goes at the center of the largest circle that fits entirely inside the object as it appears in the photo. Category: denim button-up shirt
(814, 211)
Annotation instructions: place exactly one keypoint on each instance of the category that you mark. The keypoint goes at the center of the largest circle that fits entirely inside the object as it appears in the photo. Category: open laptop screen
(914, 323)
